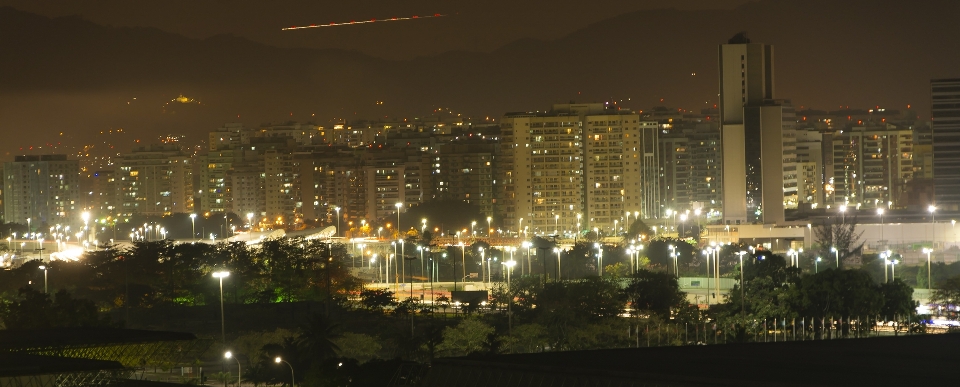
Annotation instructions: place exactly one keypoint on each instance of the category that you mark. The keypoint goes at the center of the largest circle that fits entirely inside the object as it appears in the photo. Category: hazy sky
(471, 25)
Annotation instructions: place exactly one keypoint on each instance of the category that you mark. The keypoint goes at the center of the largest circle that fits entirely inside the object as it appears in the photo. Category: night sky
(117, 64)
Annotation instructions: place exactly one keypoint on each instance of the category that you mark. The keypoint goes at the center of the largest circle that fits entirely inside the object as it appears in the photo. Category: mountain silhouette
(67, 72)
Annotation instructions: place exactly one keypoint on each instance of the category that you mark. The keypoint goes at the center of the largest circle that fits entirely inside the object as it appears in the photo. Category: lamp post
(510, 264)
(557, 250)
(928, 251)
(843, 214)
(473, 225)
(223, 333)
(556, 227)
(229, 355)
(599, 259)
(489, 219)
(293, 382)
(742, 293)
(836, 254)
(893, 269)
(673, 254)
(193, 226)
(880, 212)
(337, 209)
(883, 256)
(44, 268)
(816, 265)
(483, 255)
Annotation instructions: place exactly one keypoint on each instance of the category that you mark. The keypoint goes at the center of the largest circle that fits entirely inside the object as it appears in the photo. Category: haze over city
(496, 193)
(117, 64)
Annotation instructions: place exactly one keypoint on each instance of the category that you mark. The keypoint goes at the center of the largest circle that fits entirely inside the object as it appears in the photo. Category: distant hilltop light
(184, 99)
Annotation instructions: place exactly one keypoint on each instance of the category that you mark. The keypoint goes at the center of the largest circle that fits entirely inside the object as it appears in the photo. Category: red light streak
(353, 22)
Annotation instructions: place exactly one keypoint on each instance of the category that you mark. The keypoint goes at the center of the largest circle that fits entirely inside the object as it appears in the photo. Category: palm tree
(316, 339)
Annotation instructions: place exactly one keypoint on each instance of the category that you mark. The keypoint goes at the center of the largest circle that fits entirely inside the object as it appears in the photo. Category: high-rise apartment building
(43, 189)
(945, 117)
(575, 165)
(154, 180)
(754, 154)
(465, 172)
(872, 166)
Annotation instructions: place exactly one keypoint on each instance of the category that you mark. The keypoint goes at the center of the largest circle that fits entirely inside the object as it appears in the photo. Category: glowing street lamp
(816, 265)
(599, 248)
(221, 275)
(229, 355)
(399, 206)
(193, 226)
(927, 252)
(278, 360)
(44, 268)
(557, 250)
(836, 254)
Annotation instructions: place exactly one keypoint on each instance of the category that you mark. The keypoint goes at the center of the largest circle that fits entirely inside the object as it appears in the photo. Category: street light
(278, 360)
(816, 265)
(337, 209)
(599, 259)
(673, 254)
(193, 226)
(229, 355)
(221, 275)
(399, 206)
(489, 219)
(836, 253)
(928, 251)
(742, 307)
(880, 212)
(933, 223)
(883, 256)
(557, 250)
(44, 268)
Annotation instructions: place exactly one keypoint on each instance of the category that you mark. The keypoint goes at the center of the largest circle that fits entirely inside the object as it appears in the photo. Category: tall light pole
(556, 227)
(557, 250)
(44, 268)
(599, 259)
(893, 269)
(483, 255)
(880, 212)
(836, 254)
(742, 293)
(928, 251)
(223, 332)
(883, 256)
(843, 214)
(193, 226)
(673, 254)
(816, 265)
(293, 382)
(933, 225)
(510, 264)
(473, 224)
(489, 220)
(229, 355)
(399, 230)
(337, 209)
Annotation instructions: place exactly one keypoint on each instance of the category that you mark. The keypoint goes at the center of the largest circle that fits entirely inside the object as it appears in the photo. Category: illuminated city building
(44, 189)
(154, 180)
(945, 117)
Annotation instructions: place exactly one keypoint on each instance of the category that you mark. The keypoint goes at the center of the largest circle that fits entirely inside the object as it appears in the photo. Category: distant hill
(68, 73)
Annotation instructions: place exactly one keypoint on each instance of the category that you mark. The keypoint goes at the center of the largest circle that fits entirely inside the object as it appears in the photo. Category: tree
(316, 340)
(467, 337)
(842, 237)
(947, 292)
(36, 310)
(377, 299)
(654, 293)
